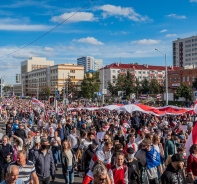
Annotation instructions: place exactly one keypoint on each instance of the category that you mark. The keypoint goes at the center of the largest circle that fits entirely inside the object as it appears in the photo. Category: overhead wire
(43, 35)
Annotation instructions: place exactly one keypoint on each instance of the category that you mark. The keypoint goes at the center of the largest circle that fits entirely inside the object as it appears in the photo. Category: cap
(37, 140)
(177, 158)
(44, 140)
(130, 150)
(96, 142)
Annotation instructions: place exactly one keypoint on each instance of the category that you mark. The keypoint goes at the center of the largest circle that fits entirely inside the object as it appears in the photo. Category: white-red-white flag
(70, 95)
(195, 107)
(192, 139)
(37, 102)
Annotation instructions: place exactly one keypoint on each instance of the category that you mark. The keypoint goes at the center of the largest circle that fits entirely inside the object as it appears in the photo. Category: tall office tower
(184, 51)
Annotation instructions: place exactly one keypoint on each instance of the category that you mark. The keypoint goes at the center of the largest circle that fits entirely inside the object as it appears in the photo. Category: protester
(12, 176)
(174, 171)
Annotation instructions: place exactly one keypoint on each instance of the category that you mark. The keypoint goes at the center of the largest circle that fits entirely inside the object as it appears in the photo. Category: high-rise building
(184, 51)
(98, 64)
(89, 63)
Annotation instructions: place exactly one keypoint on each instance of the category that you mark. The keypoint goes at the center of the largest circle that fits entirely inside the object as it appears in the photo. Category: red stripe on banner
(194, 134)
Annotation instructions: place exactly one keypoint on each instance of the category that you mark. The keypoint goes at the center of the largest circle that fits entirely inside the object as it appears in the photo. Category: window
(139, 72)
(72, 71)
(183, 79)
(193, 78)
(113, 71)
(187, 78)
(113, 76)
(175, 79)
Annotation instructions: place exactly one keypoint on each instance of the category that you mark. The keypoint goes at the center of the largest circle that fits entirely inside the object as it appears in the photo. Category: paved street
(59, 176)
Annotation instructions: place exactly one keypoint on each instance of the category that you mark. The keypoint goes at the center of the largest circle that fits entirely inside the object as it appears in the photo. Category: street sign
(57, 94)
(132, 95)
(99, 94)
(104, 91)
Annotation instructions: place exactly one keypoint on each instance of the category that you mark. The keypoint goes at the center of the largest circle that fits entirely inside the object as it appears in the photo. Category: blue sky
(126, 31)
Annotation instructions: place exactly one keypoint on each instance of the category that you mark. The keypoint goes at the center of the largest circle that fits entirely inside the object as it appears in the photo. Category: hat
(95, 142)
(130, 150)
(44, 140)
(177, 158)
(37, 140)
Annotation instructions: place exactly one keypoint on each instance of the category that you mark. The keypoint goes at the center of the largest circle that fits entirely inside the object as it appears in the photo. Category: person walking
(44, 163)
(68, 162)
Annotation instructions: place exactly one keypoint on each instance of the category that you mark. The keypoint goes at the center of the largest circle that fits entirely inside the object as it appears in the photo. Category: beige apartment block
(52, 76)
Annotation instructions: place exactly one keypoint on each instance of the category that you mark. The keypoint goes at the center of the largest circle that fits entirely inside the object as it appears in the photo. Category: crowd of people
(101, 146)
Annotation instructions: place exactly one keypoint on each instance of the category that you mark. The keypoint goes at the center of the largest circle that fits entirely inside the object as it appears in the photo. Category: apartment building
(90, 63)
(140, 72)
(184, 51)
(52, 76)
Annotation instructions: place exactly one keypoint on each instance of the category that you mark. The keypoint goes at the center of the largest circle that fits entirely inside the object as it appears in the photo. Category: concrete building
(1, 87)
(35, 63)
(184, 51)
(90, 63)
(140, 72)
(17, 89)
(52, 76)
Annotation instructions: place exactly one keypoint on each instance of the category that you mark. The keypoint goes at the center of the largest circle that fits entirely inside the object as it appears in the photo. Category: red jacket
(192, 164)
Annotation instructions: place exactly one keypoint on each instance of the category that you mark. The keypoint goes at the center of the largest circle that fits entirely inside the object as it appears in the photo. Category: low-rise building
(139, 72)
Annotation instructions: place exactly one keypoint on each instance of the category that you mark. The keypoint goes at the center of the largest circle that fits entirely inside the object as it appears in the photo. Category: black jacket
(87, 156)
(171, 176)
(133, 172)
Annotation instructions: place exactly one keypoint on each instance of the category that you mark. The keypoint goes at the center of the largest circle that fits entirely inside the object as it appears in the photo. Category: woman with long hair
(68, 162)
(192, 163)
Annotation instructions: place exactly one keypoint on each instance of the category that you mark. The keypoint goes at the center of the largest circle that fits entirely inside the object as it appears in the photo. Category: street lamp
(166, 75)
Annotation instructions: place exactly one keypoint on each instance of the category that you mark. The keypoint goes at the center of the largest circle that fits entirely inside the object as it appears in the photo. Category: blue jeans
(69, 177)
(56, 155)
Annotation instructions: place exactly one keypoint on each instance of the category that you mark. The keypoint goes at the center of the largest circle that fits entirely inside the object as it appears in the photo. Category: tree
(194, 84)
(154, 86)
(90, 84)
(112, 88)
(46, 91)
(7, 88)
(184, 91)
(144, 86)
(128, 84)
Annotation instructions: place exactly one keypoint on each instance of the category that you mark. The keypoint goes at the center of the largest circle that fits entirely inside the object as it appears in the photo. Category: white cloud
(74, 17)
(48, 49)
(90, 40)
(23, 27)
(130, 13)
(171, 35)
(163, 31)
(146, 42)
(193, 1)
(177, 16)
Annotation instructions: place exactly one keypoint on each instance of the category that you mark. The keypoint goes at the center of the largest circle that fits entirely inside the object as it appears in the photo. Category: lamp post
(166, 74)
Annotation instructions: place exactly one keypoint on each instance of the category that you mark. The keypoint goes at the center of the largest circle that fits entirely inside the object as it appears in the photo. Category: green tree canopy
(154, 86)
(46, 91)
(184, 91)
(90, 84)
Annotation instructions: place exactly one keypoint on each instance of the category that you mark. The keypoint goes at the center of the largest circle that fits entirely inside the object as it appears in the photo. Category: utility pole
(64, 88)
(103, 99)
(67, 87)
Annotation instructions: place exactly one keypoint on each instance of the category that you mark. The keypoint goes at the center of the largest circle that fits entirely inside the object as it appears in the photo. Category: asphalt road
(59, 176)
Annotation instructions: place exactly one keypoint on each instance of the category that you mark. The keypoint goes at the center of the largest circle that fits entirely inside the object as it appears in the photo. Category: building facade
(90, 63)
(184, 51)
(185, 75)
(53, 77)
(139, 72)
(35, 63)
